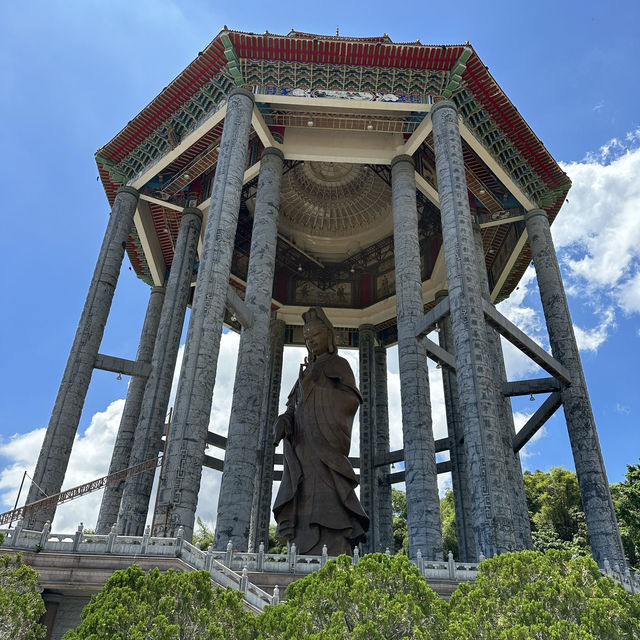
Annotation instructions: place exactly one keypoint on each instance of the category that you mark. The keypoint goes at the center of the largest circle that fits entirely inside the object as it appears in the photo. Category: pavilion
(396, 186)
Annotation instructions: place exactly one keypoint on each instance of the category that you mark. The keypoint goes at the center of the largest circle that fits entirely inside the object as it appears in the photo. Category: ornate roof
(502, 154)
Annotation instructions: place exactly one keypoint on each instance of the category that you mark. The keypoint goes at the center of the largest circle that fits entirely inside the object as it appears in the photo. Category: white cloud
(393, 400)
(225, 378)
(518, 308)
(527, 452)
(629, 295)
(438, 411)
(598, 229)
(208, 497)
(591, 339)
(89, 460)
(614, 148)
(444, 483)
(21, 451)
(515, 309)
(597, 236)
(622, 409)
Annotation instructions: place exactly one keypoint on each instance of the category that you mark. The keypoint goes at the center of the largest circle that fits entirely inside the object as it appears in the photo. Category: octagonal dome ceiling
(330, 207)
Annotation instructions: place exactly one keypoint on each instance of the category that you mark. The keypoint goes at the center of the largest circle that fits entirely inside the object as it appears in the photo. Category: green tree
(626, 499)
(400, 528)
(550, 596)
(381, 598)
(275, 545)
(202, 536)
(555, 510)
(448, 518)
(134, 605)
(21, 604)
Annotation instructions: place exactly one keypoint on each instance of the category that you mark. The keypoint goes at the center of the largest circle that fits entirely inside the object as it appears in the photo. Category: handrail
(76, 492)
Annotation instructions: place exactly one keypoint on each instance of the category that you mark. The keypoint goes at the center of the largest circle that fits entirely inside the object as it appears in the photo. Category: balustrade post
(77, 537)
(45, 534)
(179, 541)
(145, 539)
(261, 557)
(111, 538)
(452, 566)
(17, 532)
(228, 556)
(292, 559)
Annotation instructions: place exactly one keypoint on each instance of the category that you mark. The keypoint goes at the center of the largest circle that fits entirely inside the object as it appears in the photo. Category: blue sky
(74, 73)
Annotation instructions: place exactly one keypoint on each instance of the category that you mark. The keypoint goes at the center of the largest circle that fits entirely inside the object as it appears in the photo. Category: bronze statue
(316, 503)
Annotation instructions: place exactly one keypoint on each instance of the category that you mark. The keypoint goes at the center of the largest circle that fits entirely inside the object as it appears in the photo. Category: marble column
(63, 424)
(592, 476)
(151, 425)
(383, 506)
(240, 460)
(490, 504)
(112, 495)
(515, 481)
(180, 479)
(459, 480)
(423, 504)
(261, 508)
(368, 431)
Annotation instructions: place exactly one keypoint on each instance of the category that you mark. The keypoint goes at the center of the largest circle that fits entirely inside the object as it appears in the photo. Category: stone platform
(75, 566)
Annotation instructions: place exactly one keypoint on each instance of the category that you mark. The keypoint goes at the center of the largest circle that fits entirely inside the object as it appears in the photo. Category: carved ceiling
(333, 210)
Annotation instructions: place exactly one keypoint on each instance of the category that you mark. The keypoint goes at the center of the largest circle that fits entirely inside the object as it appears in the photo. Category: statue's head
(318, 333)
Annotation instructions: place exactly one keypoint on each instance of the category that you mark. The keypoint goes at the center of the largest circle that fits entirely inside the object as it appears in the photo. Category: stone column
(63, 424)
(423, 504)
(112, 495)
(368, 431)
(459, 480)
(515, 481)
(592, 476)
(383, 506)
(180, 480)
(240, 460)
(261, 509)
(151, 425)
(490, 503)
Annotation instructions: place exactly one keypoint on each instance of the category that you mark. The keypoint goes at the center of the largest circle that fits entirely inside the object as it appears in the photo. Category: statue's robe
(316, 503)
